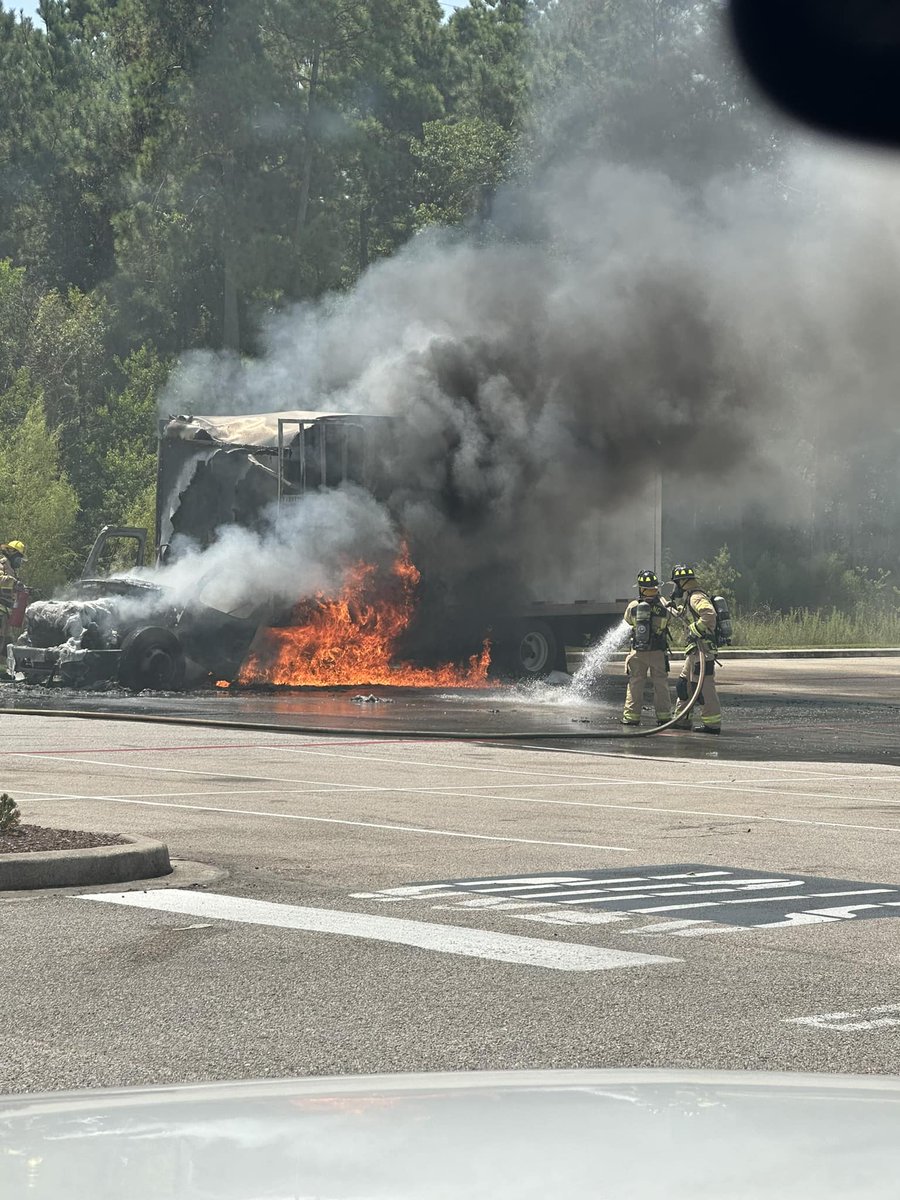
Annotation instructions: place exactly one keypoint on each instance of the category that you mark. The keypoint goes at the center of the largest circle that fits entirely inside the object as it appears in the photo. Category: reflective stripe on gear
(709, 701)
(5, 638)
(8, 583)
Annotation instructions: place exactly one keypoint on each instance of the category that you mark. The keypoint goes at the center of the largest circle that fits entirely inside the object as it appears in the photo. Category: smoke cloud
(612, 324)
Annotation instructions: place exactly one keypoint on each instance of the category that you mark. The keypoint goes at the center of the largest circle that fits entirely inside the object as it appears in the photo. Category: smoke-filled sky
(612, 324)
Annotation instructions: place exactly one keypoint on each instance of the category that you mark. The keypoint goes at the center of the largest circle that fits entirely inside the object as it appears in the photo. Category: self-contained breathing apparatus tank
(724, 628)
(643, 614)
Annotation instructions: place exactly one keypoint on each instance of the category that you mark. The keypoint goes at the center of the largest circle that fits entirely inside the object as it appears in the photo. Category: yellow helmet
(17, 547)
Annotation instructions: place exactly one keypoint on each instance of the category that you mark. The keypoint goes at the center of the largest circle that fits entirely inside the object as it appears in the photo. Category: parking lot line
(285, 816)
(608, 780)
(424, 935)
(639, 808)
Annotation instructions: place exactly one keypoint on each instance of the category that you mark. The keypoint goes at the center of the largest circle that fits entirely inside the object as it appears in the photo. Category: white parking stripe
(728, 764)
(577, 887)
(641, 808)
(325, 787)
(611, 895)
(629, 781)
(594, 781)
(764, 900)
(285, 816)
(424, 935)
(881, 1016)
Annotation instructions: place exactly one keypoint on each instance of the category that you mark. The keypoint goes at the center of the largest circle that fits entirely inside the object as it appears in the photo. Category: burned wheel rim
(537, 650)
(152, 657)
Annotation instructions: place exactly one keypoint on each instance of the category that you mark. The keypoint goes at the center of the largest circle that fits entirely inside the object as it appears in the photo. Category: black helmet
(647, 579)
(682, 573)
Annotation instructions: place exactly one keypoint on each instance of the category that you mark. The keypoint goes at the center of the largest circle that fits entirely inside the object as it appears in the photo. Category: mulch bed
(29, 838)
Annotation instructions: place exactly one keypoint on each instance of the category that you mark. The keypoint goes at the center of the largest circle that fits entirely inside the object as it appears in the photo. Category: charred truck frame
(219, 471)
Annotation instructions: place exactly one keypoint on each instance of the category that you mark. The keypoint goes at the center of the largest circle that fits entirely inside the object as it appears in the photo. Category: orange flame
(351, 639)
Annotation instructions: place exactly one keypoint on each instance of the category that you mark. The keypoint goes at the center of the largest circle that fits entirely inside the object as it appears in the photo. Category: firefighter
(699, 615)
(648, 617)
(12, 555)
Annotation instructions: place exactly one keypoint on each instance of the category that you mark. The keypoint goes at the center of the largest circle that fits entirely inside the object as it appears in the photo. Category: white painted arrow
(426, 935)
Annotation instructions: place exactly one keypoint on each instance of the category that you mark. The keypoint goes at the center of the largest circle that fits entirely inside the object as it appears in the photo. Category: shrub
(10, 817)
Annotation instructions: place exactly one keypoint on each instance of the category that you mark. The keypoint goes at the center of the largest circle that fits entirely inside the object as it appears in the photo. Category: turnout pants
(639, 664)
(708, 702)
(6, 636)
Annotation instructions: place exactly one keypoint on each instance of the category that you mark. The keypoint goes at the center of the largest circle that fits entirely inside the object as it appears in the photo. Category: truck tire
(152, 657)
(535, 650)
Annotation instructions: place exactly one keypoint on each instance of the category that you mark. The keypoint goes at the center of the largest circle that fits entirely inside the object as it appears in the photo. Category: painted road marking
(590, 781)
(425, 935)
(38, 796)
(734, 896)
(881, 1016)
(572, 779)
(306, 746)
(284, 816)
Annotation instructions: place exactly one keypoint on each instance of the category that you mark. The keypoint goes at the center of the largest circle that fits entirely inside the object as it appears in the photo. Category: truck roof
(253, 430)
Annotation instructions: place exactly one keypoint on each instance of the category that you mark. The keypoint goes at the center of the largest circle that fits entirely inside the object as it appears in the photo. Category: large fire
(352, 638)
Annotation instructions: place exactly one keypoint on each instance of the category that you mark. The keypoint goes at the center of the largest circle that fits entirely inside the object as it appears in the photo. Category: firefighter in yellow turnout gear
(699, 614)
(12, 555)
(648, 617)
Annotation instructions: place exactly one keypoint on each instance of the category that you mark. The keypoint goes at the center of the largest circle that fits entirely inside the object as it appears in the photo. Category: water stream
(586, 678)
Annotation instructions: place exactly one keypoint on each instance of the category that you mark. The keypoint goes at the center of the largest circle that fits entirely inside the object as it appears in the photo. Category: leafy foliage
(10, 816)
(38, 505)
(461, 164)
(718, 575)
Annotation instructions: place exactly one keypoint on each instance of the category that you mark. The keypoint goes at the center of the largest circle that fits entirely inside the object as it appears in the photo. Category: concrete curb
(724, 653)
(138, 858)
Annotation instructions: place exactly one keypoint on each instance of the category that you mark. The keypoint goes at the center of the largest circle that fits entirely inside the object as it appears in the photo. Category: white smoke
(302, 550)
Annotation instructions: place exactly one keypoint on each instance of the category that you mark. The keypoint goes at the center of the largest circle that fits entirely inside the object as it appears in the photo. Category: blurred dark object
(834, 64)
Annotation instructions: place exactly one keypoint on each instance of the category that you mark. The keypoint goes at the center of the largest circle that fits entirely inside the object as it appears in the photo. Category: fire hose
(678, 717)
(688, 708)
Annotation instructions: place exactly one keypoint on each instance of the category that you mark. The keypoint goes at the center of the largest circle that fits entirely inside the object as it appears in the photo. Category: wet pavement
(791, 710)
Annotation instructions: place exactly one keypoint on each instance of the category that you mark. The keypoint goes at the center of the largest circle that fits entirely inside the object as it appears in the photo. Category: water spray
(598, 656)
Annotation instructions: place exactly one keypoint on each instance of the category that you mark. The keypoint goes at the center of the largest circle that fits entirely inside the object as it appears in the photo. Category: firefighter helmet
(647, 579)
(16, 547)
(682, 572)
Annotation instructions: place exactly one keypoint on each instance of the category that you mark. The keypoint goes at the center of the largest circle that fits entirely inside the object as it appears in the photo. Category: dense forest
(172, 171)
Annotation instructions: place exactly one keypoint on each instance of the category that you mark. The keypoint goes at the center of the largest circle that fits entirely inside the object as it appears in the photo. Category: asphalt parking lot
(348, 904)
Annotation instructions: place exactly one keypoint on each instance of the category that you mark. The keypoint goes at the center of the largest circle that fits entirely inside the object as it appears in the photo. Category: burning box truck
(215, 472)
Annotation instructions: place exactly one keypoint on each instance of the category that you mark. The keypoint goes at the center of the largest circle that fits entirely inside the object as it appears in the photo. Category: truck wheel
(152, 657)
(536, 650)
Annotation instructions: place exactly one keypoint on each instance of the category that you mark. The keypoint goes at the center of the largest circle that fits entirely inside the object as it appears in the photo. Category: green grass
(804, 627)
